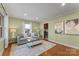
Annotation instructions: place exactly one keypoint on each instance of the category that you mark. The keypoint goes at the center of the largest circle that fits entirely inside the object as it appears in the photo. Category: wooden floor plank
(61, 50)
(6, 51)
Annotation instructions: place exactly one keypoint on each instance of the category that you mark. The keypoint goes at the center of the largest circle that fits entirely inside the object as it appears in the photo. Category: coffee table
(34, 43)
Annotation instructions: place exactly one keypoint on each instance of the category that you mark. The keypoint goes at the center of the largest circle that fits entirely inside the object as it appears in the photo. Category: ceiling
(39, 11)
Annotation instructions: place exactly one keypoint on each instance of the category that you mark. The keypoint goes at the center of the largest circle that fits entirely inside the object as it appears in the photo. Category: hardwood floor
(61, 50)
(58, 50)
(6, 51)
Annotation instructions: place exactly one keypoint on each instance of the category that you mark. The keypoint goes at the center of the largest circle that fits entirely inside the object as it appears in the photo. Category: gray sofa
(21, 39)
(26, 38)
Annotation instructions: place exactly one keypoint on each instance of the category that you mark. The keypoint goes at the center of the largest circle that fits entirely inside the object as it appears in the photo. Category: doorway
(46, 31)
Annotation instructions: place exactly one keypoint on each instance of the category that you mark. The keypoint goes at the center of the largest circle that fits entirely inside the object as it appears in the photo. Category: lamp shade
(12, 30)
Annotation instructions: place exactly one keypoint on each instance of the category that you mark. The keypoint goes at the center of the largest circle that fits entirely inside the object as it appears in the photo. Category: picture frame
(59, 28)
(72, 26)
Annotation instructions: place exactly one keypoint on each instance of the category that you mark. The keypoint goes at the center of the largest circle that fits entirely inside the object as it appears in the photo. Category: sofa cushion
(21, 36)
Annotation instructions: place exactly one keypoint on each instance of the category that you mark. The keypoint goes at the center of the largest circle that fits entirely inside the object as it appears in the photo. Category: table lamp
(13, 31)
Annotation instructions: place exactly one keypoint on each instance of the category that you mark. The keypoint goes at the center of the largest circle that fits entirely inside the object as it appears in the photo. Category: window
(1, 27)
(27, 26)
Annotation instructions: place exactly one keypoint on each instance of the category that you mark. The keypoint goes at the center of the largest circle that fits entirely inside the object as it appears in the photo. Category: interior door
(46, 31)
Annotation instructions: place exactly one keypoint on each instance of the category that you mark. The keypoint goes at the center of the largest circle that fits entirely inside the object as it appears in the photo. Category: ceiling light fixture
(25, 14)
(37, 18)
(63, 4)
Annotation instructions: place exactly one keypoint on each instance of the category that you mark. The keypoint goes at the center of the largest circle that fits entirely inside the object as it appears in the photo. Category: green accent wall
(70, 40)
(17, 24)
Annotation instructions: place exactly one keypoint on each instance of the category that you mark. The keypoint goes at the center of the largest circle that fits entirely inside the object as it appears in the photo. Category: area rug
(23, 50)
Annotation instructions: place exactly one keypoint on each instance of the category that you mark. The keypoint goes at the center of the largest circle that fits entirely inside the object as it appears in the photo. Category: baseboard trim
(65, 44)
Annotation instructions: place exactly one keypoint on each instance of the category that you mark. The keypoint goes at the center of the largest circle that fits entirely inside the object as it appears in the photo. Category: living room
(43, 28)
